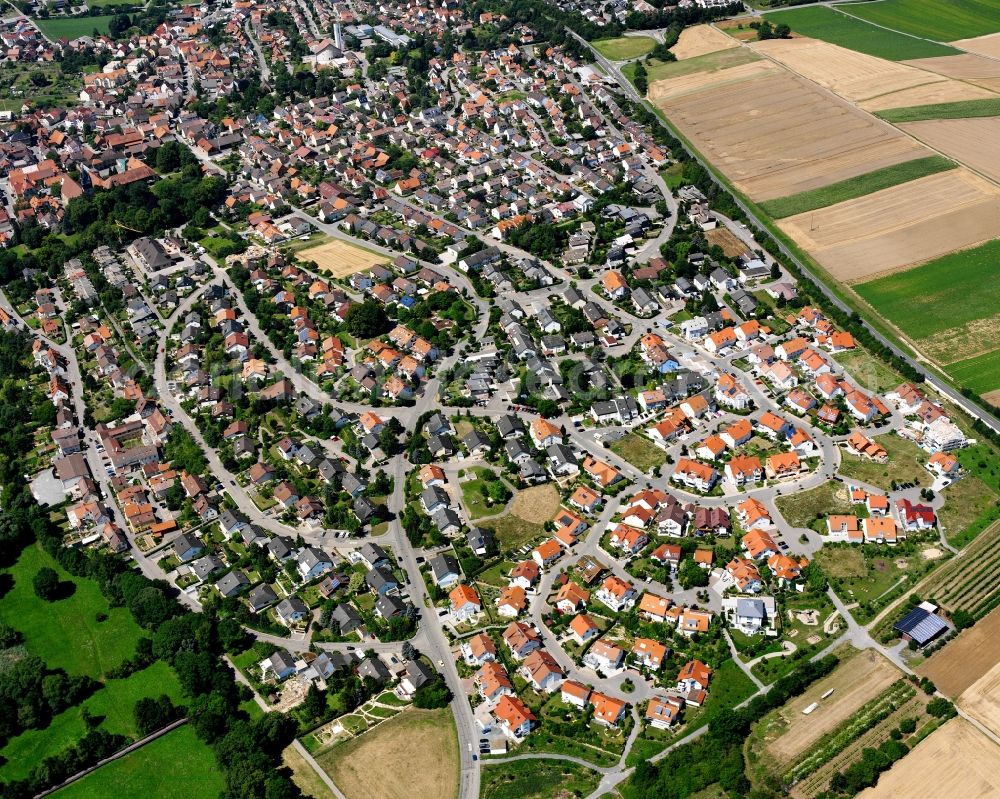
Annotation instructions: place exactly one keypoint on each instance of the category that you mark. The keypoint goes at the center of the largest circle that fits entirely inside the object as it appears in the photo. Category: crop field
(965, 109)
(957, 760)
(980, 373)
(988, 46)
(901, 226)
(964, 660)
(774, 134)
(701, 70)
(855, 683)
(948, 307)
(969, 583)
(624, 47)
(967, 66)
(868, 727)
(938, 20)
(856, 187)
(974, 142)
(177, 766)
(855, 34)
(73, 28)
(859, 77)
(700, 39)
(340, 258)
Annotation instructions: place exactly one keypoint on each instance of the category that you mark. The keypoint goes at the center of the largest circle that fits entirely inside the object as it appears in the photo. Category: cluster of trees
(765, 30)
(432, 694)
(31, 694)
(367, 319)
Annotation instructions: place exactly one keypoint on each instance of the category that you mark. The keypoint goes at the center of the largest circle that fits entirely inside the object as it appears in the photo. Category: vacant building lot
(774, 134)
(974, 142)
(901, 226)
(730, 243)
(955, 760)
(701, 39)
(971, 655)
(340, 259)
(854, 682)
(420, 745)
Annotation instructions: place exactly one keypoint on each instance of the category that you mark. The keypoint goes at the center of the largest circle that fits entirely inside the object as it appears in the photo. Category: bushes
(432, 694)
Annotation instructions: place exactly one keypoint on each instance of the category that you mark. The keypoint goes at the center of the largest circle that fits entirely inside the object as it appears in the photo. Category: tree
(691, 575)
(640, 78)
(366, 319)
(432, 694)
(46, 584)
(154, 714)
(962, 619)
(940, 708)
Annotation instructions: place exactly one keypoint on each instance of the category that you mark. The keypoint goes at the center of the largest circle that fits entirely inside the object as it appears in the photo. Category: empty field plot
(981, 700)
(901, 226)
(856, 187)
(340, 258)
(624, 47)
(731, 244)
(416, 755)
(938, 20)
(678, 78)
(857, 76)
(638, 450)
(934, 93)
(963, 661)
(775, 134)
(73, 28)
(974, 142)
(988, 46)
(948, 307)
(955, 760)
(700, 39)
(968, 582)
(855, 682)
(847, 31)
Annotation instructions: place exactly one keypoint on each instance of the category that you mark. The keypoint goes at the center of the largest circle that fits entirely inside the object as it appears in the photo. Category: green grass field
(176, 766)
(114, 704)
(981, 373)
(638, 450)
(859, 186)
(537, 779)
(939, 20)
(948, 303)
(960, 110)
(856, 34)
(624, 47)
(66, 634)
(710, 62)
(73, 28)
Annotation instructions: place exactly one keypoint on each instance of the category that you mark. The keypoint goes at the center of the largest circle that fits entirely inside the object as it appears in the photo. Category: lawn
(624, 47)
(420, 748)
(939, 20)
(537, 779)
(729, 686)
(904, 465)
(474, 493)
(859, 186)
(856, 34)
(114, 704)
(73, 28)
(66, 634)
(176, 766)
(962, 109)
(638, 450)
(803, 508)
(980, 373)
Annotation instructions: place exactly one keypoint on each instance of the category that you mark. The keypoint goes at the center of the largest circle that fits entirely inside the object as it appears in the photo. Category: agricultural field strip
(954, 594)
(870, 714)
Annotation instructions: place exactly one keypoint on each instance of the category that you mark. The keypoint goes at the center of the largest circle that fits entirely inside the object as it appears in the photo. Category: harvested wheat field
(973, 653)
(968, 67)
(900, 226)
(955, 760)
(974, 142)
(776, 134)
(701, 39)
(340, 258)
(852, 75)
(981, 700)
(537, 504)
(944, 91)
(992, 397)
(670, 88)
(855, 681)
(985, 45)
